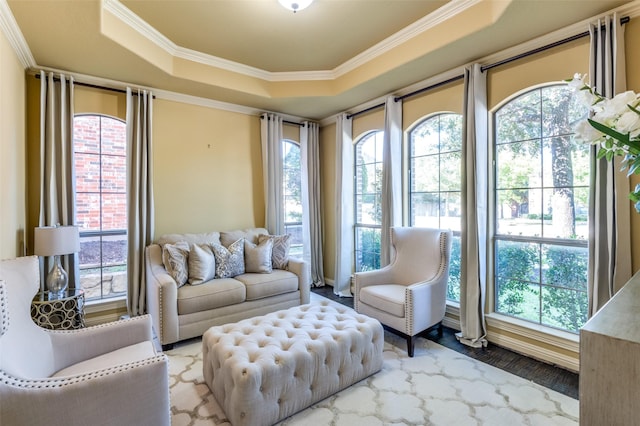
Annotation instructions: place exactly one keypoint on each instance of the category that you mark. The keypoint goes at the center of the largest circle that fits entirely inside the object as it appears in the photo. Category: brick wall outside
(91, 172)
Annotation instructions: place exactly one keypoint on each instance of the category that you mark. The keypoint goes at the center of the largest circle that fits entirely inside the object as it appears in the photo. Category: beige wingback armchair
(408, 295)
(103, 375)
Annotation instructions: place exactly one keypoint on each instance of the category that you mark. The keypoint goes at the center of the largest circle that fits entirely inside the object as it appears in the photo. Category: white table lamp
(56, 241)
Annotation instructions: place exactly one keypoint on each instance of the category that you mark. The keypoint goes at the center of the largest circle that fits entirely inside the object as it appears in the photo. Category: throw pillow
(202, 264)
(229, 261)
(280, 252)
(174, 258)
(257, 257)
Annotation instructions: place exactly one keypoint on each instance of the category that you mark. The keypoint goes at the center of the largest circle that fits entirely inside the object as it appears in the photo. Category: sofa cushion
(209, 237)
(386, 297)
(229, 261)
(202, 263)
(210, 295)
(280, 252)
(249, 234)
(260, 286)
(174, 258)
(257, 257)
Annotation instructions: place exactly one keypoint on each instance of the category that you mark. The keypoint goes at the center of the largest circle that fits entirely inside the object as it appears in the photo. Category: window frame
(101, 233)
(506, 320)
(297, 248)
(408, 193)
(376, 134)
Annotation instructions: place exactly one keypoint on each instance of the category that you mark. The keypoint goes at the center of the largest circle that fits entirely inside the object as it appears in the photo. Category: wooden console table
(610, 361)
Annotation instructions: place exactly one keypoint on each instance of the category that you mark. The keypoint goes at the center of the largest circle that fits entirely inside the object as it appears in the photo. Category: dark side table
(59, 312)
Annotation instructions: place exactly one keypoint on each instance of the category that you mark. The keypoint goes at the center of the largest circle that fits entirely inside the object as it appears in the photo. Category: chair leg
(410, 345)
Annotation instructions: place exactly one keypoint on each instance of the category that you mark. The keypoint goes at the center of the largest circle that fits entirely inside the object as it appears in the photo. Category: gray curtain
(57, 173)
(344, 207)
(271, 139)
(609, 207)
(311, 207)
(391, 176)
(474, 208)
(140, 214)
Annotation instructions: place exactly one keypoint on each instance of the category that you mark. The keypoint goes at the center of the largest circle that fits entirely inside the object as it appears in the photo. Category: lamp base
(57, 279)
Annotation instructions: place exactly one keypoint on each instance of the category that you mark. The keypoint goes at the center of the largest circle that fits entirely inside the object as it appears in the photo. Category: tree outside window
(101, 204)
(368, 208)
(435, 148)
(292, 190)
(541, 198)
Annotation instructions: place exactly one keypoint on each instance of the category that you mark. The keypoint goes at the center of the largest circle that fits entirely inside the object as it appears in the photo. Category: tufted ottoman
(266, 368)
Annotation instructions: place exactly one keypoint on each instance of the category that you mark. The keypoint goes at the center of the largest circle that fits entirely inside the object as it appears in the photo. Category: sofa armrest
(303, 270)
(162, 296)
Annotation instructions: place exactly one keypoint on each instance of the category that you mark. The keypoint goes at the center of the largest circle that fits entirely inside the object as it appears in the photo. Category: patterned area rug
(437, 387)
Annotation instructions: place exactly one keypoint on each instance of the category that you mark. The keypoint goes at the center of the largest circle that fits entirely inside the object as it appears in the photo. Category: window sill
(548, 344)
(102, 311)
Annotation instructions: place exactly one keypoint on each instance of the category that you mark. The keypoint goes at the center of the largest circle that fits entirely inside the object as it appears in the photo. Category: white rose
(628, 122)
(618, 104)
(588, 133)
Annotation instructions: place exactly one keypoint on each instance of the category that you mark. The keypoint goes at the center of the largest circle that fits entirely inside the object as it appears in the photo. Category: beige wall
(207, 169)
(12, 152)
(207, 162)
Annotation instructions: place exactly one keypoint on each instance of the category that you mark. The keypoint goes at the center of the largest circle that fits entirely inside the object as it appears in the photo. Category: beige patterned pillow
(202, 263)
(257, 257)
(229, 261)
(174, 258)
(280, 252)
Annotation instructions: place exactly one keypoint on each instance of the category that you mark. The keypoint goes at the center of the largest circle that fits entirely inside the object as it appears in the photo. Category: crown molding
(435, 18)
(432, 20)
(11, 30)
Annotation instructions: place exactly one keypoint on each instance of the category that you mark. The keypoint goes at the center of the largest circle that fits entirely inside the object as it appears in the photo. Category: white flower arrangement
(614, 125)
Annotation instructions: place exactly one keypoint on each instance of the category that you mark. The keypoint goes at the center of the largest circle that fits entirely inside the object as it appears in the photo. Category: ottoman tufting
(266, 368)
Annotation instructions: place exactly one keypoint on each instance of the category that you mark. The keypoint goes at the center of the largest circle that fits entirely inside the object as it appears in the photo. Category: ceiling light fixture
(295, 5)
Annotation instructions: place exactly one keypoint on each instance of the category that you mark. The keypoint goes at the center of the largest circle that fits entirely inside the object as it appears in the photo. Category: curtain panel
(391, 197)
(344, 207)
(271, 140)
(473, 269)
(57, 172)
(140, 207)
(609, 209)
(311, 205)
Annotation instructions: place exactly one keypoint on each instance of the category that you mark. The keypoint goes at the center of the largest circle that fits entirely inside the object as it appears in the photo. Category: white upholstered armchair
(104, 375)
(408, 295)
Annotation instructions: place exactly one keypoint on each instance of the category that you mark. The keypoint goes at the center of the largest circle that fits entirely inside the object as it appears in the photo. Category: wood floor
(558, 379)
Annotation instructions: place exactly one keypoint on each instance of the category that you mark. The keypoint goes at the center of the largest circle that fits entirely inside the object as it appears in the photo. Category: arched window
(101, 204)
(368, 209)
(292, 191)
(435, 182)
(540, 199)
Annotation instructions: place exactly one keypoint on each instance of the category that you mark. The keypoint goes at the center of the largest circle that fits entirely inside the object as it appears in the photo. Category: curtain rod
(95, 86)
(623, 21)
(287, 122)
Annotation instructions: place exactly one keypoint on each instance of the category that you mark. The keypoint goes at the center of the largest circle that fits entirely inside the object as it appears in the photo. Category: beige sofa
(183, 311)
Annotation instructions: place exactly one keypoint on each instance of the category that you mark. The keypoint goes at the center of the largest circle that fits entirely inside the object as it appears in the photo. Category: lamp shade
(56, 240)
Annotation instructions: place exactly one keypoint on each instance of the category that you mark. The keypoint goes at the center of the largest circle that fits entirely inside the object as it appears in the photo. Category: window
(435, 161)
(368, 209)
(101, 204)
(540, 209)
(292, 190)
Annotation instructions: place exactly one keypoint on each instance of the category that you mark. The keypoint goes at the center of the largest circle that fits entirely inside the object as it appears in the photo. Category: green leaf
(633, 109)
(610, 132)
